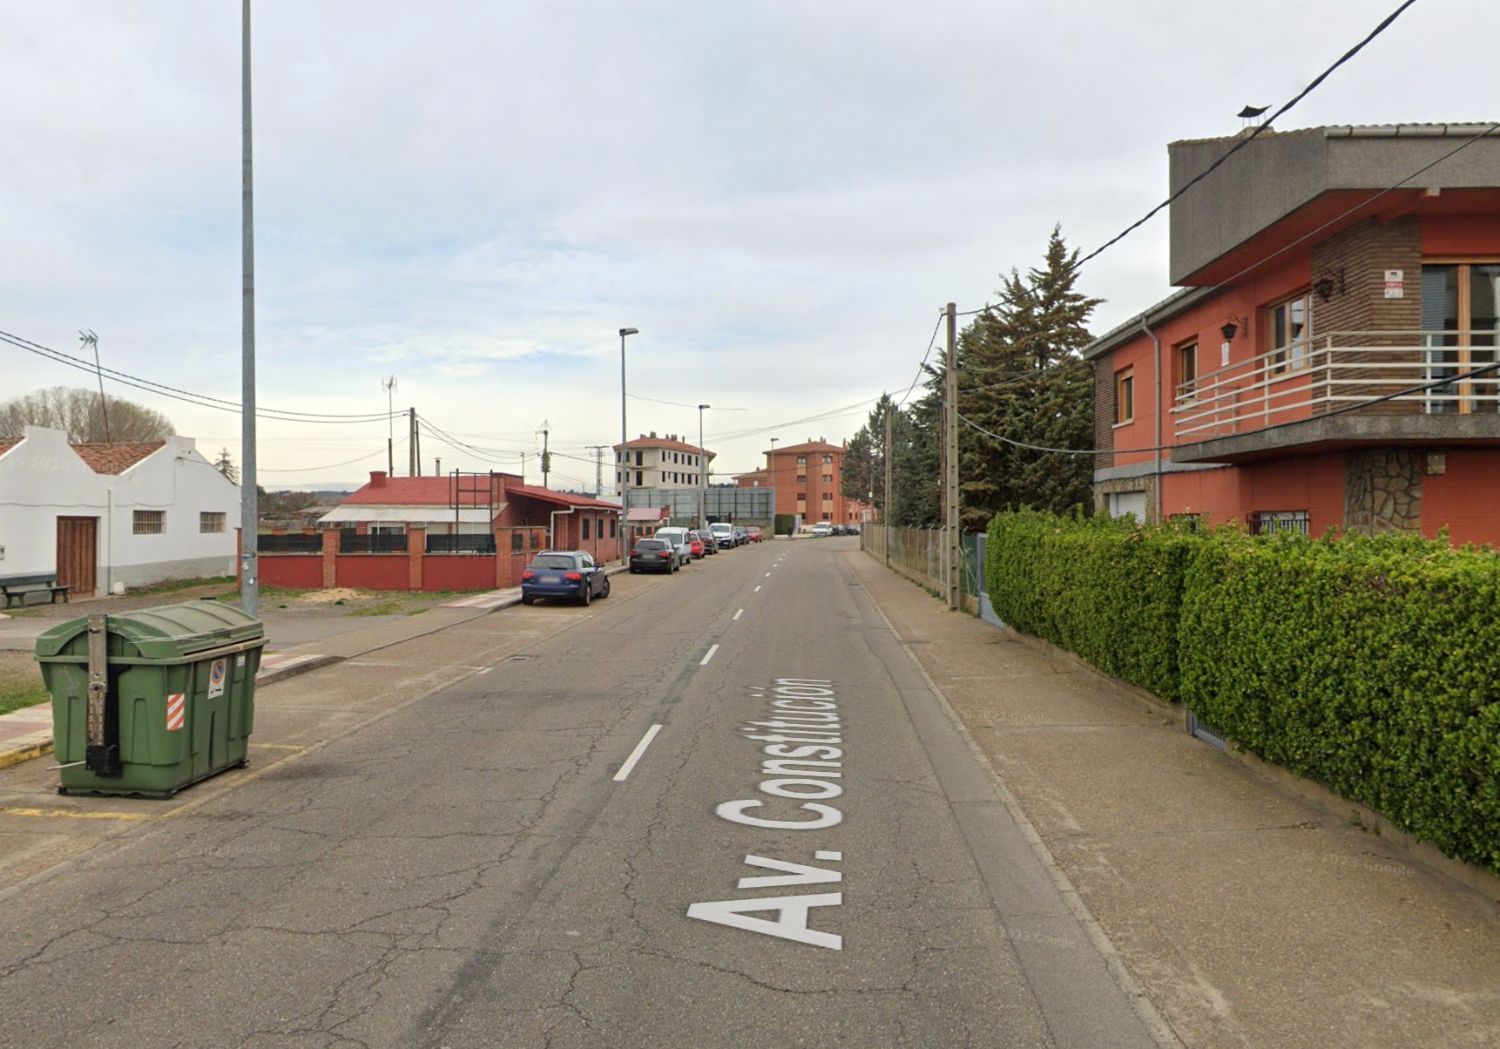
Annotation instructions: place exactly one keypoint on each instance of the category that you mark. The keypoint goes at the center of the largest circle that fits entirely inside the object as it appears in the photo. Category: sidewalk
(27, 733)
(1249, 916)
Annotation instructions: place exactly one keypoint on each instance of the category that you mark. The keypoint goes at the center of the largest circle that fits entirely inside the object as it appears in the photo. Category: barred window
(585, 528)
(210, 522)
(149, 522)
(1268, 522)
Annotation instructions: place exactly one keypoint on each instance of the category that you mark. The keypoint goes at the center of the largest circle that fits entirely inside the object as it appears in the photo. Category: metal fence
(289, 544)
(351, 542)
(460, 544)
(920, 552)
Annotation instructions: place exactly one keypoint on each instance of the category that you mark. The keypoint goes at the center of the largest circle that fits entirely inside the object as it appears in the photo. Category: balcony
(1346, 390)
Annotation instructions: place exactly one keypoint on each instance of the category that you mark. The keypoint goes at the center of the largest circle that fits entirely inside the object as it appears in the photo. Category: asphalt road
(589, 841)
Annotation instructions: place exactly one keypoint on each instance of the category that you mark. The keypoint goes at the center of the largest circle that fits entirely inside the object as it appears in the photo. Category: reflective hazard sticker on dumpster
(216, 671)
(176, 711)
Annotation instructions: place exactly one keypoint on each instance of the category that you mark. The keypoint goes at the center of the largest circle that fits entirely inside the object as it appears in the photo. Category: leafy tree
(1022, 377)
(78, 412)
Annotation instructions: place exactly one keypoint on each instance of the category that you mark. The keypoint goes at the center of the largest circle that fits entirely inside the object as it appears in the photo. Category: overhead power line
(1242, 143)
(200, 400)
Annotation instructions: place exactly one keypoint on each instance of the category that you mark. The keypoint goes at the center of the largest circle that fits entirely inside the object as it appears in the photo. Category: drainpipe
(1156, 351)
(552, 535)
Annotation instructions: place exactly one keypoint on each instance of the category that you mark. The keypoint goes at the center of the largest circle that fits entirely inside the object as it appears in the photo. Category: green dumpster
(148, 702)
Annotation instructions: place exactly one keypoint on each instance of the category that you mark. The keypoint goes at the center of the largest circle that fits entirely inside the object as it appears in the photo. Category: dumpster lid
(171, 632)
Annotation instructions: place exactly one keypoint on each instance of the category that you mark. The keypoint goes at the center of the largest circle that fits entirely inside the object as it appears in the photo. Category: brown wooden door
(77, 554)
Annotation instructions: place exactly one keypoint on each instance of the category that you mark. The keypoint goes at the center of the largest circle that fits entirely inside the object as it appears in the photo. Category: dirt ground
(341, 601)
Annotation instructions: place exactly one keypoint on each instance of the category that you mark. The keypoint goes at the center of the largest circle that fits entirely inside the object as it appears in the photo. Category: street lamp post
(702, 472)
(773, 486)
(624, 458)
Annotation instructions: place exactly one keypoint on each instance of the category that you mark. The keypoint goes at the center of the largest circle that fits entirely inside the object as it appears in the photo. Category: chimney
(377, 478)
(653, 433)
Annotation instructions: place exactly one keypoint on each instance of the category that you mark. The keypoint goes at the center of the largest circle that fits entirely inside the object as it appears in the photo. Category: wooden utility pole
(411, 442)
(954, 538)
(885, 508)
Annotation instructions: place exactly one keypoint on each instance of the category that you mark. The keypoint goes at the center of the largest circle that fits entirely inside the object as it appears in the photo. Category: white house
(108, 515)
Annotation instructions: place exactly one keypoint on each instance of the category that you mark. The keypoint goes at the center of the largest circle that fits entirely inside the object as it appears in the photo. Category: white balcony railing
(1385, 372)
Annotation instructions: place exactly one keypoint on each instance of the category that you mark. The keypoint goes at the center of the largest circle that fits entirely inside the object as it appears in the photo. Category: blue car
(563, 573)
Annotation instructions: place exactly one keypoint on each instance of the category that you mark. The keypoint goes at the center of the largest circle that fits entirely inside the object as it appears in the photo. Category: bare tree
(78, 412)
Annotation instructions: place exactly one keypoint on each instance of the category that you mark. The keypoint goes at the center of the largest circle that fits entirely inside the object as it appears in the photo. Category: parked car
(563, 573)
(754, 534)
(723, 533)
(822, 528)
(678, 537)
(852, 530)
(710, 544)
(695, 543)
(741, 535)
(653, 555)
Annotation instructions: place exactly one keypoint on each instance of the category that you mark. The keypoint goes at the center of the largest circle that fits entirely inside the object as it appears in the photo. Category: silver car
(682, 547)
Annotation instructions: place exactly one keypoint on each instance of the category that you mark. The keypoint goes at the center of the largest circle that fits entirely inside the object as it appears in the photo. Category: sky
(473, 197)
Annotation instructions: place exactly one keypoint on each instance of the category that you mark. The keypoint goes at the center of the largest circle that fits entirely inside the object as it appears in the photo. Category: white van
(723, 533)
(681, 545)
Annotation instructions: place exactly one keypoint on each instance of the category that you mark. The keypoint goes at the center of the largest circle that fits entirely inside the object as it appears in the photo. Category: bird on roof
(1251, 112)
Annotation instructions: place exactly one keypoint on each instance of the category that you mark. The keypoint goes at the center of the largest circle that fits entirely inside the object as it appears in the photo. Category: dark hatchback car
(653, 555)
(710, 544)
(563, 573)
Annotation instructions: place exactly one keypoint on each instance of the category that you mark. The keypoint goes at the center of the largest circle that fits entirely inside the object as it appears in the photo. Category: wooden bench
(16, 587)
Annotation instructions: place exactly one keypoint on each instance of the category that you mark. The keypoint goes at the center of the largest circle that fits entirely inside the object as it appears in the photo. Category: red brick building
(460, 532)
(808, 479)
(1318, 369)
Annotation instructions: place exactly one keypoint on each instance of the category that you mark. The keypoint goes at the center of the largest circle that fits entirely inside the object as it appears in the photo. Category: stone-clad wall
(1383, 490)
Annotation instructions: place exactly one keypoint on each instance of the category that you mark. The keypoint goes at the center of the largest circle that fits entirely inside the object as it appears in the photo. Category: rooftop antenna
(89, 339)
(388, 384)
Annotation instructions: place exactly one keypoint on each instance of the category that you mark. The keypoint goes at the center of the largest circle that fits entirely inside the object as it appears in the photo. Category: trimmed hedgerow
(1102, 588)
(1370, 665)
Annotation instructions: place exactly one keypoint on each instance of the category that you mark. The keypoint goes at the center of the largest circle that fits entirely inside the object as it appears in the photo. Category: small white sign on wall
(1224, 355)
(1395, 284)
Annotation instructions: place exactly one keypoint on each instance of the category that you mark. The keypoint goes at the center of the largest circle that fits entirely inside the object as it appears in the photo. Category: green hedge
(1370, 665)
(1102, 588)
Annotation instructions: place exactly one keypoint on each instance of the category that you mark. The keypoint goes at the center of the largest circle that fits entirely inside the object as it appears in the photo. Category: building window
(1268, 522)
(536, 540)
(585, 533)
(1288, 333)
(1187, 369)
(209, 521)
(1124, 396)
(148, 522)
(802, 478)
(638, 479)
(517, 542)
(801, 460)
(827, 460)
(828, 497)
(638, 461)
(1127, 504)
(828, 478)
(611, 527)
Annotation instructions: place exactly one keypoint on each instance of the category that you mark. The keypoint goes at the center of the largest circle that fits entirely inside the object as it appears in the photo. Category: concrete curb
(25, 750)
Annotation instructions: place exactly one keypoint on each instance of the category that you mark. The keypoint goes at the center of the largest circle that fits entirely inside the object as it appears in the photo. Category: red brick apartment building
(1340, 286)
(808, 479)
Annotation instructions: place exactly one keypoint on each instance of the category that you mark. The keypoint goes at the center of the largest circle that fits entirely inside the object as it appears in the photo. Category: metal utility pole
(411, 442)
(546, 456)
(389, 385)
(953, 538)
(249, 507)
(598, 450)
(89, 339)
(624, 456)
(885, 506)
(703, 476)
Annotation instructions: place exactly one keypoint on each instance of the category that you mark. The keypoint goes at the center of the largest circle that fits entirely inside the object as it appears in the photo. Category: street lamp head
(703, 406)
(629, 331)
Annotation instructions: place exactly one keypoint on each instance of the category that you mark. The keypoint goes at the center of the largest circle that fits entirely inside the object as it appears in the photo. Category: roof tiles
(115, 458)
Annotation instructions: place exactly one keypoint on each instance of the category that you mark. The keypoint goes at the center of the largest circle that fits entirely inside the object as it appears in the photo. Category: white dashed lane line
(757, 588)
(704, 661)
(738, 614)
(635, 755)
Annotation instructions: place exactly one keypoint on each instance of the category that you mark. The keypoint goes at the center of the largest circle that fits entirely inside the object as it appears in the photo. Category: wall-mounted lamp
(1328, 283)
(1229, 327)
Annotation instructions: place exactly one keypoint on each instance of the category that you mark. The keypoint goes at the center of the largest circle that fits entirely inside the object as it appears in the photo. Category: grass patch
(18, 690)
(173, 586)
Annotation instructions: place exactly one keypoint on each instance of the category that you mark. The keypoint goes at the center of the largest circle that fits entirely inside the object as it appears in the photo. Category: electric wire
(1242, 143)
(200, 400)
